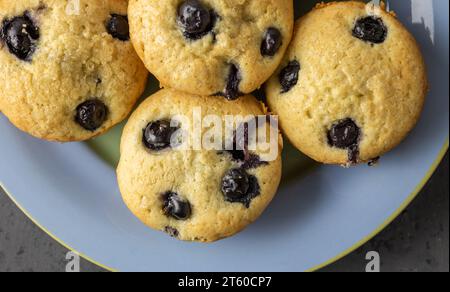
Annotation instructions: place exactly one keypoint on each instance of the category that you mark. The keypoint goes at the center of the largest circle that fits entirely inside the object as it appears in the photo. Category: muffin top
(211, 47)
(69, 72)
(196, 192)
(352, 84)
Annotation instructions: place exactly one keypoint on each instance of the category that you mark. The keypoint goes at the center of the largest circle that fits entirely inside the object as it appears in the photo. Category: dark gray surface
(416, 241)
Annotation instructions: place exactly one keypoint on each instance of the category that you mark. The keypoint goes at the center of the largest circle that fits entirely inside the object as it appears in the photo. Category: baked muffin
(352, 84)
(69, 72)
(211, 47)
(193, 193)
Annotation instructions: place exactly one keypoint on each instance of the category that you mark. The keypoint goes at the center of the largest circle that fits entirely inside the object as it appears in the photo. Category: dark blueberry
(254, 190)
(236, 155)
(370, 29)
(253, 161)
(374, 162)
(239, 151)
(260, 95)
(353, 154)
(157, 135)
(20, 35)
(118, 27)
(234, 79)
(238, 147)
(246, 160)
(241, 137)
(175, 206)
(91, 114)
(235, 185)
(344, 134)
(171, 231)
(271, 43)
(195, 19)
(240, 187)
(289, 76)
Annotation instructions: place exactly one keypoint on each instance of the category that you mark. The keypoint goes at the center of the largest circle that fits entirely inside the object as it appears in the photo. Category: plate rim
(364, 240)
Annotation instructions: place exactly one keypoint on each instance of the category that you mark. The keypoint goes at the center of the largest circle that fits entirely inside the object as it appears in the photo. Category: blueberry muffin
(211, 47)
(352, 84)
(69, 71)
(190, 193)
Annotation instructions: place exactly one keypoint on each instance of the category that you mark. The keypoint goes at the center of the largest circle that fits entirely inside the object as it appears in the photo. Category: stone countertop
(417, 241)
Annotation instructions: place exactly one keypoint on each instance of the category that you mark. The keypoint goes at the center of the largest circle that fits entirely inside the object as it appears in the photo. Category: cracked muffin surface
(352, 84)
(211, 47)
(194, 195)
(69, 71)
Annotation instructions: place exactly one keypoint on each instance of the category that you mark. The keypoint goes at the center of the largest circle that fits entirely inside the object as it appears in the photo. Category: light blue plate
(320, 214)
